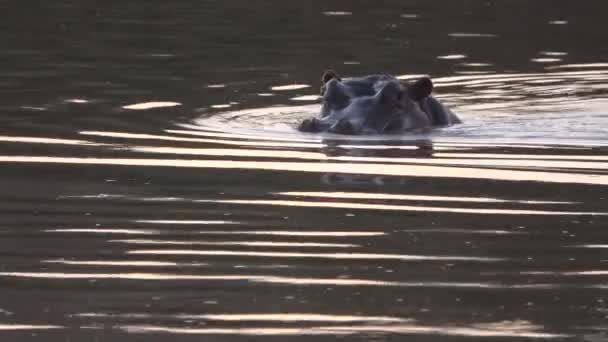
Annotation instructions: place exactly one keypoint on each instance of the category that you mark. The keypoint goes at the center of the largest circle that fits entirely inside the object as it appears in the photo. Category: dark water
(154, 189)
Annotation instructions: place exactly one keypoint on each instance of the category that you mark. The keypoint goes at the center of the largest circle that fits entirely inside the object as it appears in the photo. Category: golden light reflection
(142, 329)
(197, 131)
(289, 87)
(328, 167)
(123, 135)
(105, 231)
(338, 256)
(492, 162)
(270, 279)
(520, 156)
(532, 163)
(469, 80)
(8, 327)
(51, 141)
(129, 263)
(463, 231)
(257, 317)
(381, 196)
(579, 66)
(186, 221)
(372, 206)
(500, 329)
(501, 143)
(152, 104)
(128, 276)
(292, 233)
(236, 243)
(294, 317)
(590, 246)
(568, 273)
(224, 152)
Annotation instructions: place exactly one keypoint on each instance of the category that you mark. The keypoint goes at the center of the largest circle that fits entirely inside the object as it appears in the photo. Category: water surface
(155, 189)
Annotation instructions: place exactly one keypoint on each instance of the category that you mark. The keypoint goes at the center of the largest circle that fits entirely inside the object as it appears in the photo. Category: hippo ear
(328, 75)
(421, 89)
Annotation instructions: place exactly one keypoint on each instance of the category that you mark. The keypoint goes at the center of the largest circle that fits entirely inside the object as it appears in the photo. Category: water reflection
(370, 206)
(210, 222)
(237, 243)
(381, 196)
(294, 317)
(152, 104)
(125, 135)
(362, 168)
(9, 327)
(52, 141)
(338, 256)
(105, 231)
(518, 329)
(295, 281)
(129, 263)
(293, 233)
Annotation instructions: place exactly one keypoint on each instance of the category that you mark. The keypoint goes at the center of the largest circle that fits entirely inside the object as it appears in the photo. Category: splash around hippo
(377, 104)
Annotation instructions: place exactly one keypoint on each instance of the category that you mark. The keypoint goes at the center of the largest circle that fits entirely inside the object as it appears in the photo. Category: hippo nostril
(390, 93)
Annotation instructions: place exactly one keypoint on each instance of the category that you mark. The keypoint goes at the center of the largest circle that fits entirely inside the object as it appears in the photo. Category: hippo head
(372, 104)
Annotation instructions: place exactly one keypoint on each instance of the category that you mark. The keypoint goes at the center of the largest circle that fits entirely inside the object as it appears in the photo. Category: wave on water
(564, 105)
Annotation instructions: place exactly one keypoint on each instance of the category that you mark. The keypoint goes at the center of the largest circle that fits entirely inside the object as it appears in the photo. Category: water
(154, 188)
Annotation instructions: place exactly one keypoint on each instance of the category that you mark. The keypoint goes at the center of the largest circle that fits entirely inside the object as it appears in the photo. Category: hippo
(377, 104)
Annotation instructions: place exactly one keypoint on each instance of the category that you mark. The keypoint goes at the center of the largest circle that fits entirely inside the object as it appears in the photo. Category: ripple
(384, 196)
(590, 246)
(545, 60)
(471, 35)
(298, 281)
(151, 105)
(293, 233)
(462, 231)
(297, 317)
(105, 231)
(306, 98)
(8, 327)
(205, 222)
(515, 329)
(289, 87)
(129, 263)
(369, 206)
(77, 101)
(221, 106)
(454, 56)
(52, 141)
(569, 273)
(337, 13)
(361, 168)
(124, 135)
(255, 317)
(340, 256)
(237, 243)
(197, 131)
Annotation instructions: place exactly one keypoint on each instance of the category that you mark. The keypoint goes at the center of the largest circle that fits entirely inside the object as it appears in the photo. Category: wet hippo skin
(377, 104)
